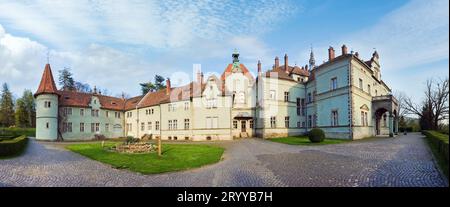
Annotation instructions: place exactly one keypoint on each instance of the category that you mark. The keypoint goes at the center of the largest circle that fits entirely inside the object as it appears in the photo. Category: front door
(243, 126)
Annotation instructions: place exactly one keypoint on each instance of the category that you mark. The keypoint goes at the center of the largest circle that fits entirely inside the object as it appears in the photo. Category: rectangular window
(273, 95)
(235, 124)
(333, 85)
(92, 112)
(303, 106)
(175, 124)
(298, 125)
(142, 126)
(286, 121)
(367, 119)
(334, 118)
(107, 113)
(363, 123)
(170, 124)
(106, 127)
(149, 125)
(286, 96)
(298, 106)
(309, 121)
(69, 111)
(47, 104)
(97, 127)
(251, 124)
(361, 84)
(156, 125)
(92, 127)
(186, 123)
(186, 106)
(81, 127)
(69, 127)
(309, 98)
(273, 122)
(81, 112)
(368, 89)
(376, 93)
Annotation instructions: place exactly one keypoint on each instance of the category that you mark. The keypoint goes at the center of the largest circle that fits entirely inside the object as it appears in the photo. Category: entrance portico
(385, 107)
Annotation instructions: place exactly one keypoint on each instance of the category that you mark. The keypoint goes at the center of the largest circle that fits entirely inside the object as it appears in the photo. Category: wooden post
(159, 146)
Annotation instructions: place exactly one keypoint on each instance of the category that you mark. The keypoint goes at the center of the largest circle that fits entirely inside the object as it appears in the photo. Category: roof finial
(312, 61)
(48, 56)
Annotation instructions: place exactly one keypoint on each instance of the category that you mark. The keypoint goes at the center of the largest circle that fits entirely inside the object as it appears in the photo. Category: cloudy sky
(118, 44)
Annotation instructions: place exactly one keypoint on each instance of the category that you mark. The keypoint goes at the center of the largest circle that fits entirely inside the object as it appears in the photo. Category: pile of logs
(138, 147)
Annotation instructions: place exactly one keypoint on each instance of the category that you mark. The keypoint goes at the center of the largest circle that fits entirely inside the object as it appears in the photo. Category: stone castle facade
(344, 96)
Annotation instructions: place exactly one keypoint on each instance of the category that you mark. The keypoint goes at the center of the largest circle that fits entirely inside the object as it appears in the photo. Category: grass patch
(304, 140)
(175, 157)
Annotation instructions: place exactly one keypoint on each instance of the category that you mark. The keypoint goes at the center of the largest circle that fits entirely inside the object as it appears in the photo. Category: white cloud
(159, 24)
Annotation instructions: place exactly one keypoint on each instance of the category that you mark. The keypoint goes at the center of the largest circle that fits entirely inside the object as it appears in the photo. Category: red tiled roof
(228, 72)
(131, 103)
(47, 85)
(80, 99)
(281, 73)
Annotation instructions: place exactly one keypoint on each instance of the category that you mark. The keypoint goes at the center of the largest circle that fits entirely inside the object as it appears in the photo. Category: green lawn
(304, 140)
(175, 157)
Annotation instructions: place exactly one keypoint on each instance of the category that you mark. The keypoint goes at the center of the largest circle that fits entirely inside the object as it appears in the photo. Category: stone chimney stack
(344, 50)
(286, 64)
(330, 53)
(277, 62)
(168, 86)
(199, 77)
(259, 66)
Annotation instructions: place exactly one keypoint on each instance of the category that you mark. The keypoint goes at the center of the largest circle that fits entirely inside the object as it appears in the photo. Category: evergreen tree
(66, 80)
(30, 108)
(146, 87)
(6, 107)
(21, 114)
(159, 82)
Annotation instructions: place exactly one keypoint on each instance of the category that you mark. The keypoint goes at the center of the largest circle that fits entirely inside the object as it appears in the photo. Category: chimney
(259, 66)
(344, 50)
(168, 86)
(330, 53)
(357, 54)
(277, 62)
(199, 77)
(286, 64)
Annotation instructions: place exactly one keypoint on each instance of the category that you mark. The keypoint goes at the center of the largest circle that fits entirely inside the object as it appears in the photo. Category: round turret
(47, 107)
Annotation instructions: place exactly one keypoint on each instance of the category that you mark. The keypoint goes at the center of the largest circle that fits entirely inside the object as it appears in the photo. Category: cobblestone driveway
(403, 161)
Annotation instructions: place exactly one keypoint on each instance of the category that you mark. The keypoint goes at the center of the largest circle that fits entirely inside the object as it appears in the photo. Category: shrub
(13, 146)
(316, 135)
(131, 140)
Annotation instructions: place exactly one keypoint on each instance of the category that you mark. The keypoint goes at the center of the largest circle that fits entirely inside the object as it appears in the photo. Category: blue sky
(117, 44)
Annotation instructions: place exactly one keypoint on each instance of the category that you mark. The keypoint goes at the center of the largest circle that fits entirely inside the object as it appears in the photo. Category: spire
(47, 85)
(312, 61)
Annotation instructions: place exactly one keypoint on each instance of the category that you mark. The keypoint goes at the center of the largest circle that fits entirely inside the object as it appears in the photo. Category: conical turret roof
(47, 85)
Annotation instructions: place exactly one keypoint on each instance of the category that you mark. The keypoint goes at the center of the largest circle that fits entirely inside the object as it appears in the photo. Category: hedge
(440, 141)
(13, 146)
(31, 132)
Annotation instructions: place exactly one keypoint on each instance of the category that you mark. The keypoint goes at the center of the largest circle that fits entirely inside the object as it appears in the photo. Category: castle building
(344, 96)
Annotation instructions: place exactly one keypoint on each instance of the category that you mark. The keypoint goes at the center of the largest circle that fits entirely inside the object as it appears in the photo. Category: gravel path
(402, 161)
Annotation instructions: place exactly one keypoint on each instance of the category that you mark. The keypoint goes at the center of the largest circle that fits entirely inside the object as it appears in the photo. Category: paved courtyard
(403, 161)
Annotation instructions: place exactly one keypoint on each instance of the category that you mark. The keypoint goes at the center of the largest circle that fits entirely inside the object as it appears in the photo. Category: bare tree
(434, 108)
(400, 96)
